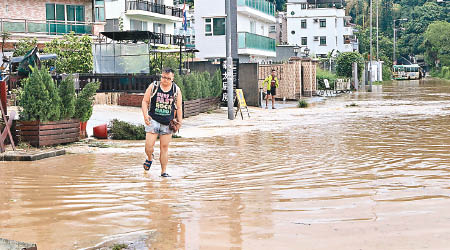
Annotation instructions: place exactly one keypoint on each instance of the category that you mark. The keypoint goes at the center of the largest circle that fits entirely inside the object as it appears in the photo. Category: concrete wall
(248, 82)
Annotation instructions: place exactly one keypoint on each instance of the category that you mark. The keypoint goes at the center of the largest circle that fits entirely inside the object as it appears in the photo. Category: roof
(130, 35)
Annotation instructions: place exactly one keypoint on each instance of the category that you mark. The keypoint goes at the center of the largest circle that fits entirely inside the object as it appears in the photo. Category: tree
(40, 99)
(83, 104)
(24, 45)
(344, 63)
(437, 43)
(67, 94)
(74, 53)
(386, 16)
(5, 36)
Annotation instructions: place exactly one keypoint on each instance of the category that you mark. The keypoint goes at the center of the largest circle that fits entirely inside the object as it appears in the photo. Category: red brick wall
(35, 9)
(134, 100)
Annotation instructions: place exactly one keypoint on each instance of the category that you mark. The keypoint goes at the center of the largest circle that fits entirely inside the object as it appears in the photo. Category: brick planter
(40, 134)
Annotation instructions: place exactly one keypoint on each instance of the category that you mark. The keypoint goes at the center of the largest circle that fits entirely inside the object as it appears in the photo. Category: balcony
(250, 43)
(259, 9)
(159, 11)
(44, 27)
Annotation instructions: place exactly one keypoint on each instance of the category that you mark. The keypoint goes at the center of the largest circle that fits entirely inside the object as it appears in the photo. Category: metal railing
(153, 7)
(260, 5)
(49, 27)
(167, 39)
(253, 41)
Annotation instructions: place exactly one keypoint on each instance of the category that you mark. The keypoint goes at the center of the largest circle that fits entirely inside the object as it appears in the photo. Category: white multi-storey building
(253, 21)
(320, 25)
(158, 16)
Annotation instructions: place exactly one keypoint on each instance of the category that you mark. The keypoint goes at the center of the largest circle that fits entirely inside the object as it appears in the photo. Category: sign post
(241, 103)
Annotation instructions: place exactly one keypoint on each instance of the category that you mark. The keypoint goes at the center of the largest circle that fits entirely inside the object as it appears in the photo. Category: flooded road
(359, 171)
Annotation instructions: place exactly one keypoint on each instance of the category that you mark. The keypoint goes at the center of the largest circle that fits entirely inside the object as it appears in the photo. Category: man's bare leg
(164, 141)
(267, 100)
(150, 140)
(273, 102)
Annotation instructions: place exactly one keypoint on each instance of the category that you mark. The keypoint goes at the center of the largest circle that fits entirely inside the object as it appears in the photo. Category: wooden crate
(40, 134)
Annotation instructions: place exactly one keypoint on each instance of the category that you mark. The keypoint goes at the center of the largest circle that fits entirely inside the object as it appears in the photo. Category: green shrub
(302, 103)
(216, 84)
(321, 75)
(67, 93)
(84, 102)
(387, 73)
(344, 63)
(40, 99)
(120, 130)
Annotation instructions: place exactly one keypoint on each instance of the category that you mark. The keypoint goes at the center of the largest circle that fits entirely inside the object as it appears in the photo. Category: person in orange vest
(272, 85)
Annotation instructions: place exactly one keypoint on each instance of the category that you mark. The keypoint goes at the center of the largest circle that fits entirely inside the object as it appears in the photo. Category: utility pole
(371, 56)
(394, 56)
(230, 88)
(377, 31)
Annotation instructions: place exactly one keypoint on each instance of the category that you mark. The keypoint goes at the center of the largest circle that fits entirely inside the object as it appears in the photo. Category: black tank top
(162, 105)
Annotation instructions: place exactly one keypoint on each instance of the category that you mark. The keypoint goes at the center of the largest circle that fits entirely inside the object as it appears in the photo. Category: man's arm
(179, 107)
(145, 104)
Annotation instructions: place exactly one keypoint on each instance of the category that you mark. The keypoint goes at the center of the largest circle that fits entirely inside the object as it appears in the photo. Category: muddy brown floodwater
(333, 176)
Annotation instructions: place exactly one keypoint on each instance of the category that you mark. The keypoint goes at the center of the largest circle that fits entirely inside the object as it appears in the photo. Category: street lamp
(306, 52)
(395, 35)
(296, 50)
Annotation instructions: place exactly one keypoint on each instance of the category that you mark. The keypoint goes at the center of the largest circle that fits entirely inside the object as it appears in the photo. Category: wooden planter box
(40, 134)
(195, 107)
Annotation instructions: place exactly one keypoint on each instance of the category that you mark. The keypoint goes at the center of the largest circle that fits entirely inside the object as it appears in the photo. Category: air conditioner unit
(316, 38)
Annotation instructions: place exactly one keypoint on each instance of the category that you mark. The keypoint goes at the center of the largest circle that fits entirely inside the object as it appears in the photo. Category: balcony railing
(153, 7)
(49, 27)
(167, 39)
(260, 5)
(253, 41)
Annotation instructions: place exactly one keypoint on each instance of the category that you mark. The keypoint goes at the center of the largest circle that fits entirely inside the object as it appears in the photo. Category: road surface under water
(333, 176)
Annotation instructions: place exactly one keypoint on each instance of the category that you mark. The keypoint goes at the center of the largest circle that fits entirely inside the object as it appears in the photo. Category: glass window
(253, 27)
(70, 12)
(99, 14)
(304, 41)
(79, 13)
(303, 6)
(142, 26)
(272, 29)
(323, 23)
(208, 29)
(219, 26)
(303, 24)
(323, 40)
(50, 11)
(60, 13)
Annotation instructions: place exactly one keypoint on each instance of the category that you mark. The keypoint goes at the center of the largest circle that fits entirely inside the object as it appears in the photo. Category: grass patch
(302, 103)
(119, 246)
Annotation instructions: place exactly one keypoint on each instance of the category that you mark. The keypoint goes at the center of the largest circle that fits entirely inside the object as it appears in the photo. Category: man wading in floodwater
(272, 85)
(162, 100)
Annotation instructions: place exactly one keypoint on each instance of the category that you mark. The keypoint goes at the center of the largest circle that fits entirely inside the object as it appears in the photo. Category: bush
(199, 85)
(83, 104)
(321, 75)
(216, 87)
(387, 73)
(344, 63)
(120, 130)
(40, 99)
(302, 103)
(67, 93)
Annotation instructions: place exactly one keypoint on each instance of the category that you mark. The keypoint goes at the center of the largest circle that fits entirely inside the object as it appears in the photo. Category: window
(323, 23)
(112, 25)
(304, 41)
(158, 27)
(323, 40)
(99, 6)
(215, 26)
(58, 14)
(303, 6)
(253, 27)
(208, 25)
(303, 24)
(138, 25)
(347, 39)
(272, 29)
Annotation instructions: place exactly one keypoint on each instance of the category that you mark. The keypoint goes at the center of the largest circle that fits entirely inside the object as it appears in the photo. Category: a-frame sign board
(241, 103)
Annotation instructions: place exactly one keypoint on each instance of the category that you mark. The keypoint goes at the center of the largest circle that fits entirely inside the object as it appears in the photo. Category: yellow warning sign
(240, 97)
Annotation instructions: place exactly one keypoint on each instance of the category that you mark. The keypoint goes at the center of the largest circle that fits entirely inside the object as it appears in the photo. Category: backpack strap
(155, 88)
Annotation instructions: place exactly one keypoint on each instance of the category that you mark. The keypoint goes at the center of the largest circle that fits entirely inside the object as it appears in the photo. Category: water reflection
(375, 169)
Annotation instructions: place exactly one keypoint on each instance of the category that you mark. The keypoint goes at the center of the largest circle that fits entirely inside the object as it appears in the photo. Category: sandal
(147, 165)
(165, 175)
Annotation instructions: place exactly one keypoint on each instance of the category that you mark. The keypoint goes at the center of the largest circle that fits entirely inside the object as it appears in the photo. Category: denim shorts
(158, 128)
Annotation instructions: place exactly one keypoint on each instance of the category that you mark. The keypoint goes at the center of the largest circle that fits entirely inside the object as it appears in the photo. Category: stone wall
(309, 77)
(289, 77)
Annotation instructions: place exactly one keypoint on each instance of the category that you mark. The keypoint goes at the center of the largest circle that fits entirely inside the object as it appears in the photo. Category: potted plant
(84, 105)
(46, 118)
